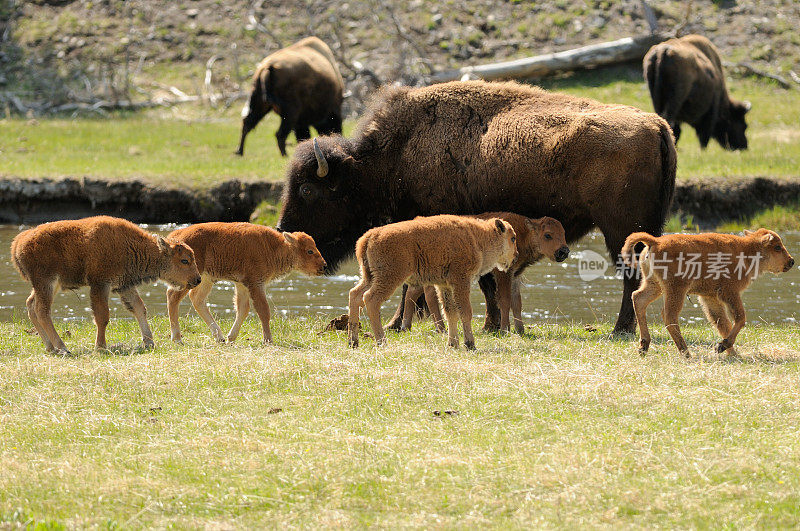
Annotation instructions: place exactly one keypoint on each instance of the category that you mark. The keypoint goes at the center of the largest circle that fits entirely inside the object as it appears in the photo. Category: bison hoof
(686, 354)
(148, 344)
(470, 345)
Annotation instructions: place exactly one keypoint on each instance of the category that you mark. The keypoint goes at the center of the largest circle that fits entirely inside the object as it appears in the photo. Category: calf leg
(198, 296)
(241, 301)
(433, 305)
(503, 280)
(354, 308)
(373, 298)
(461, 293)
(174, 298)
(30, 303)
(98, 295)
(43, 302)
(642, 297)
(410, 306)
(261, 307)
(396, 322)
(733, 301)
(445, 293)
(516, 305)
(133, 302)
(673, 303)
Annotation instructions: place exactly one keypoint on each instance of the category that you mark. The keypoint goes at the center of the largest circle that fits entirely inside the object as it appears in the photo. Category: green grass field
(192, 147)
(563, 428)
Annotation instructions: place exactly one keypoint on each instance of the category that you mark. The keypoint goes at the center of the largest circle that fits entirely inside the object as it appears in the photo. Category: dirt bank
(708, 201)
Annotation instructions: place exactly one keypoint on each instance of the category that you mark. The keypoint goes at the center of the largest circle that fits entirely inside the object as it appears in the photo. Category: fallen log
(605, 53)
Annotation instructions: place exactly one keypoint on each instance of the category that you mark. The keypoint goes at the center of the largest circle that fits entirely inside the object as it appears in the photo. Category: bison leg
(31, 305)
(717, 316)
(396, 322)
(43, 302)
(461, 292)
(98, 296)
(241, 301)
(647, 293)
(198, 296)
(410, 306)
(516, 306)
(301, 132)
(354, 308)
(249, 122)
(673, 303)
(489, 288)
(133, 302)
(261, 306)
(626, 321)
(445, 294)
(733, 301)
(288, 122)
(503, 298)
(174, 298)
(433, 306)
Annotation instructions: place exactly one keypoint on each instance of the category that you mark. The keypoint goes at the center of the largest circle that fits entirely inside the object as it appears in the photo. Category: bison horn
(322, 164)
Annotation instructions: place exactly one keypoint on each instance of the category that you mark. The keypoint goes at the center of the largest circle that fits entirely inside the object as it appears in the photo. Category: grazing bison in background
(687, 84)
(303, 85)
(473, 147)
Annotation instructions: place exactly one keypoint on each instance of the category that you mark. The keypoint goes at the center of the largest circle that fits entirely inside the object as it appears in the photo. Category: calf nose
(791, 263)
(196, 281)
(562, 254)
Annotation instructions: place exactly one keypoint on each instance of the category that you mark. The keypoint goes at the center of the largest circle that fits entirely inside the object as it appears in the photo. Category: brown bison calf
(445, 251)
(717, 267)
(536, 238)
(248, 255)
(104, 253)
(687, 84)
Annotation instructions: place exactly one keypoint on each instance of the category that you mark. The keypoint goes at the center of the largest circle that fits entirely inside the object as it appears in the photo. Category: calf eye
(185, 261)
(548, 237)
(310, 251)
(777, 247)
(513, 239)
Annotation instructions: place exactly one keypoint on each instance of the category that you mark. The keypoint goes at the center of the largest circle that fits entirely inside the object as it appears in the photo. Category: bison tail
(669, 164)
(629, 249)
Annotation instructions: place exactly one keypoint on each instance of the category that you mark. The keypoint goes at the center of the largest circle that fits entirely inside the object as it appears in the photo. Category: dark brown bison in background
(687, 84)
(303, 85)
(473, 147)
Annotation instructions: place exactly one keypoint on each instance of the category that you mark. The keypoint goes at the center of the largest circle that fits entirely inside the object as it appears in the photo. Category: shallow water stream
(552, 292)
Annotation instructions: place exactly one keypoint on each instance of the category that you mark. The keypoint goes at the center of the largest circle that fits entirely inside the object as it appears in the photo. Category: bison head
(323, 198)
(730, 131)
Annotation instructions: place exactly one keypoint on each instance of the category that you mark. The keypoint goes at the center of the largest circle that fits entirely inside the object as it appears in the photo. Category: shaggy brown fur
(536, 238)
(248, 255)
(445, 251)
(472, 147)
(105, 254)
(303, 85)
(665, 268)
(687, 84)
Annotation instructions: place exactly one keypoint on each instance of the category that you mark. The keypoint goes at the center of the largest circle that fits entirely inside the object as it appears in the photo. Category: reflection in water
(551, 292)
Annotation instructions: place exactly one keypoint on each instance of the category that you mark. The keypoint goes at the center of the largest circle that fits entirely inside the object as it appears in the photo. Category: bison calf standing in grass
(687, 84)
(446, 251)
(105, 254)
(717, 267)
(536, 238)
(248, 255)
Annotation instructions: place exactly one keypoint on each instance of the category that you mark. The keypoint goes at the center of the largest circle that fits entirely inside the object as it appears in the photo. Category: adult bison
(303, 85)
(472, 147)
(687, 84)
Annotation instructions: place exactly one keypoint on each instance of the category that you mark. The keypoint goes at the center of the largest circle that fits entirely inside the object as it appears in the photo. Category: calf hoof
(470, 345)
(148, 344)
(228, 339)
(62, 352)
(352, 343)
(686, 354)
(644, 345)
(520, 330)
(452, 343)
(396, 324)
(722, 346)
(177, 339)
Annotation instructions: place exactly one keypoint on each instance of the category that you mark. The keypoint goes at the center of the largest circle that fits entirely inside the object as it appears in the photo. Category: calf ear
(163, 245)
(498, 223)
(289, 238)
(767, 239)
(748, 232)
